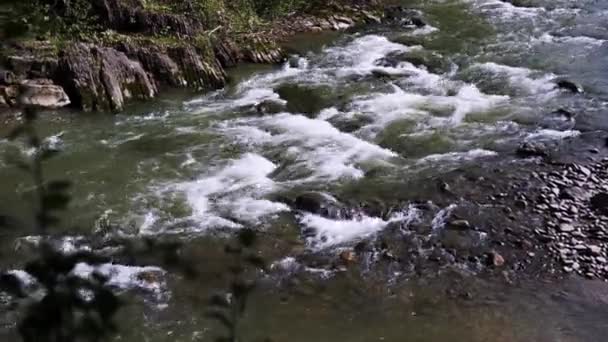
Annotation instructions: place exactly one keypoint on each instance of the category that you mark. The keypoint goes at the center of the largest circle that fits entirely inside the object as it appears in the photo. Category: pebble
(497, 260)
(595, 250)
(566, 227)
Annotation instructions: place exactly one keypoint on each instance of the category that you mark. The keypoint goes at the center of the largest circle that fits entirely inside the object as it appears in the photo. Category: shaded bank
(131, 49)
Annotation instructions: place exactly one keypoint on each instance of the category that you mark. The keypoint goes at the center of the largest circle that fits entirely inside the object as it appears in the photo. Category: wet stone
(595, 250)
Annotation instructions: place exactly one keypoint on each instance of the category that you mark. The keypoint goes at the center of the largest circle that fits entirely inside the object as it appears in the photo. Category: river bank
(138, 48)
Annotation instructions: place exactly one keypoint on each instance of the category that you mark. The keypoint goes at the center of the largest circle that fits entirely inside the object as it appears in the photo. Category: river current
(359, 112)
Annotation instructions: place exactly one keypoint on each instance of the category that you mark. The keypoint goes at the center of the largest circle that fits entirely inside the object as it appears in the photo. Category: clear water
(200, 166)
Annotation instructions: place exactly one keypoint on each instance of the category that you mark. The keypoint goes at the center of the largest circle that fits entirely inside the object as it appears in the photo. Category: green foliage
(228, 308)
(46, 20)
(71, 308)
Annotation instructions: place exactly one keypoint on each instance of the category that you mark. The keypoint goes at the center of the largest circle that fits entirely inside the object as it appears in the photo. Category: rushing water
(368, 114)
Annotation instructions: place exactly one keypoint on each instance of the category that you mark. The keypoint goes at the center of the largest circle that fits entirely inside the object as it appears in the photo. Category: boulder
(157, 62)
(431, 61)
(270, 107)
(321, 204)
(565, 113)
(532, 149)
(198, 71)
(404, 16)
(98, 78)
(599, 202)
(570, 86)
(42, 93)
(304, 99)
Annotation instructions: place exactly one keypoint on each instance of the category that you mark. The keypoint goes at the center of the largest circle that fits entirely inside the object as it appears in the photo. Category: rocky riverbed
(439, 176)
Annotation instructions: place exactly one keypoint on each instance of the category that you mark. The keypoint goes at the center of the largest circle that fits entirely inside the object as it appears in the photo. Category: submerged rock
(321, 204)
(570, 86)
(565, 113)
(599, 202)
(304, 99)
(270, 107)
(404, 16)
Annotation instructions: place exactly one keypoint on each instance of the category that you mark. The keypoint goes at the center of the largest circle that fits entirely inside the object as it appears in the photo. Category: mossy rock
(396, 137)
(306, 100)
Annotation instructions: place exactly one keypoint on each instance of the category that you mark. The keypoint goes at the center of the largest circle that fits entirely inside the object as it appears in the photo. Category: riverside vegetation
(98, 54)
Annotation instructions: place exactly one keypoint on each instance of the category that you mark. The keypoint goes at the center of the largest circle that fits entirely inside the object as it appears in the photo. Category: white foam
(586, 41)
(468, 100)
(125, 277)
(522, 78)
(507, 10)
(551, 134)
(235, 190)
(249, 92)
(412, 215)
(583, 41)
(251, 209)
(65, 244)
(55, 142)
(400, 104)
(359, 56)
(457, 156)
(334, 232)
(285, 264)
(131, 136)
(149, 219)
(427, 29)
(317, 146)
(440, 218)
(24, 278)
(189, 160)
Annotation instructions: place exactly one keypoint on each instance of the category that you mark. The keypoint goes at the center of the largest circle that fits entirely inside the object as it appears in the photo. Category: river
(375, 115)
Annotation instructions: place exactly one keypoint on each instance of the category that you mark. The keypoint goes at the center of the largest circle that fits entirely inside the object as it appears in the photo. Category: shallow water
(377, 114)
